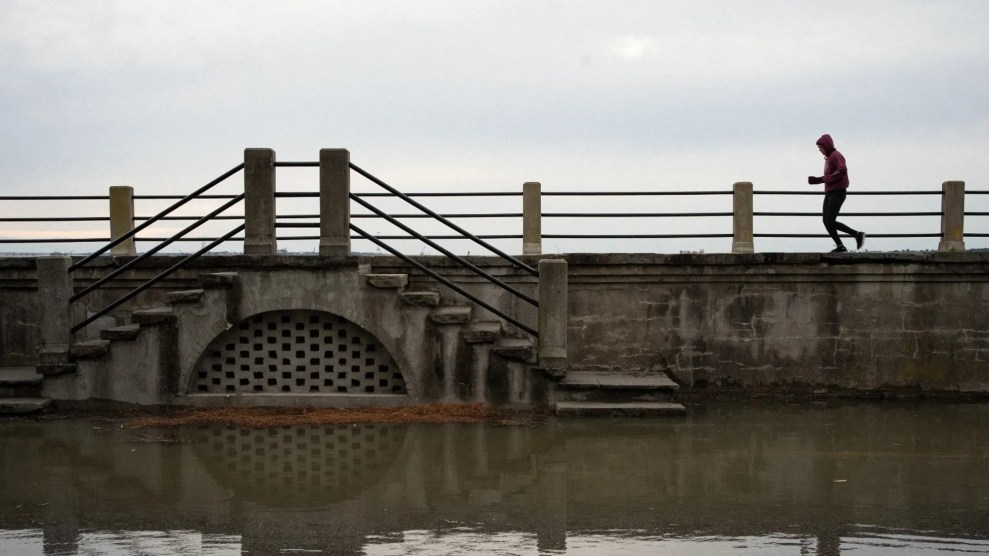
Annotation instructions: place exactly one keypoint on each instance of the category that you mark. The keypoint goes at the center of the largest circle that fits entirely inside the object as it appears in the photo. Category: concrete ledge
(128, 332)
(388, 281)
(520, 349)
(478, 332)
(93, 349)
(421, 298)
(634, 409)
(21, 406)
(218, 279)
(343, 401)
(13, 376)
(184, 296)
(157, 315)
(454, 314)
(621, 381)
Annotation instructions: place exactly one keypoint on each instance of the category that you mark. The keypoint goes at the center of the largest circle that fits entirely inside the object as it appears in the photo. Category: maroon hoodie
(835, 170)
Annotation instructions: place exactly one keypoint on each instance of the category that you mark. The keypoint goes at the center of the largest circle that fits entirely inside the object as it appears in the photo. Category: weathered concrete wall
(794, 320)
(825, 323)
(20, 312)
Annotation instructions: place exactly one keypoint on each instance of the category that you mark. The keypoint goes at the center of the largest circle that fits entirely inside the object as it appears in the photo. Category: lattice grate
(297, 352)
(299, 462)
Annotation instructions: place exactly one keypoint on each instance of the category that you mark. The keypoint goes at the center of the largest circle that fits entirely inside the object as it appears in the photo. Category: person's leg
(832, 204)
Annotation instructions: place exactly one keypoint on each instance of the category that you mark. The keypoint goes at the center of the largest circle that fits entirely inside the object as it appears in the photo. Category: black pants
(832, 204)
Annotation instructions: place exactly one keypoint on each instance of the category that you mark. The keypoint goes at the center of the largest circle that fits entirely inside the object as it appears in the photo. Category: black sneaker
(839, 249)
(859, 240)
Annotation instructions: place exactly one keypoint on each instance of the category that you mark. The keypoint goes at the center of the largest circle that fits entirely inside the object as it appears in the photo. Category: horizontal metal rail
(631, 214)
(442, 280)
(57, 219)
(165, 212)
(55, 198)
(849, 193)
(155, 249)
(631, 193)
(762, 213)
(449, 224)
(162, 275)
(633, 236)
(871, 235)
(459, 260)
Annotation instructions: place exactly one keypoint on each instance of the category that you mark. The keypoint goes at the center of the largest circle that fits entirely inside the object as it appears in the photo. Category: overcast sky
(483, 96)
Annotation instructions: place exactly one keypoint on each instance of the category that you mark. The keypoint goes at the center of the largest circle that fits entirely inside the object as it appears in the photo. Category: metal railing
(138, 260)
(761, 217)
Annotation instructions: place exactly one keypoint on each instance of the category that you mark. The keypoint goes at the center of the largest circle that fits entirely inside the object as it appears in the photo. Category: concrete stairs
(20, 391)
(613, 394)
(123, 357)
(514, 351)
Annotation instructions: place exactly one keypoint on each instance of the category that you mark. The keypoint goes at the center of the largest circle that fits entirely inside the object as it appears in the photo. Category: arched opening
(296, 352)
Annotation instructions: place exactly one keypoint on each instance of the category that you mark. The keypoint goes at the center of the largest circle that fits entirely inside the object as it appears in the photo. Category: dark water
(736, 479)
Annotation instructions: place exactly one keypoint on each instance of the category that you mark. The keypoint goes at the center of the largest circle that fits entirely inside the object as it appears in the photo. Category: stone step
(218, 279)
(125, 333)
(15, 376)
(613, 387)
(482, 331)
(184, 296)
(451, 314)
(629, 409)
(520, 349)
(623, 381)
(421, 298)
(19, 382)
(53, 369)
(388, 281)
(155, 315)
(93, 349)
(22, 406)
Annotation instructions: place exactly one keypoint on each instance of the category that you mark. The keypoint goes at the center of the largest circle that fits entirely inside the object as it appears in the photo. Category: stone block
(184, 296)
(421, 298)
(520, 349)
(482, 332)
(125, 333)
(454, 314)
(93, 349)
(157, 315)
(388, 281)
(218, 279)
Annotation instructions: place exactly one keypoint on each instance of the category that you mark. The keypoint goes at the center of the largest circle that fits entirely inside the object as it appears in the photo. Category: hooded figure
(835, 180)
(835, 170)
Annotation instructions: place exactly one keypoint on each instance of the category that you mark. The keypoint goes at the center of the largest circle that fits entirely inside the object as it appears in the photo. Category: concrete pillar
(742, 218)
(259, 202)
(122, 219)
(54, 291)
(952, 216)
(532, 214)
(334, 202)
(553, 316)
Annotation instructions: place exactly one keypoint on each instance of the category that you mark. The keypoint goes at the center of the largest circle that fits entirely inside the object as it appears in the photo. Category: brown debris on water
(264, 417)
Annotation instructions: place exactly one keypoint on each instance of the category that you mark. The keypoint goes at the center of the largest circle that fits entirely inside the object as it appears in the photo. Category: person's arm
(836, 163)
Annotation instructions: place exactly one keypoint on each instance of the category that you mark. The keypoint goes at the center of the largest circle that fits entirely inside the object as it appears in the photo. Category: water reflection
(734, 478)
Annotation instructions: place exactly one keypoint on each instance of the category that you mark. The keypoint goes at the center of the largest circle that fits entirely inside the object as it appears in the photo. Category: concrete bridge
(584, 333)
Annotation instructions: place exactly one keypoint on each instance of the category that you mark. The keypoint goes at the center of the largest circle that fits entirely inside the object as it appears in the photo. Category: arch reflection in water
(307, 465)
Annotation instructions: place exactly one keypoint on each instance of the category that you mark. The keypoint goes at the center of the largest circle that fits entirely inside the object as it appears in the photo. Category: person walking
(835, 180)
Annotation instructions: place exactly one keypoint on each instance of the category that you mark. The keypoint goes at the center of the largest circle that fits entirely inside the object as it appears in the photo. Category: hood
(826, 143)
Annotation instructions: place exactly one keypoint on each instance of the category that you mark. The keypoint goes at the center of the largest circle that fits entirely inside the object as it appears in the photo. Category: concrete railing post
(122, 219)
(742, 218)
(54, 291)
(952, 216)
(553, 316)
(532, 214)
(259, 202)
(334, 202)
